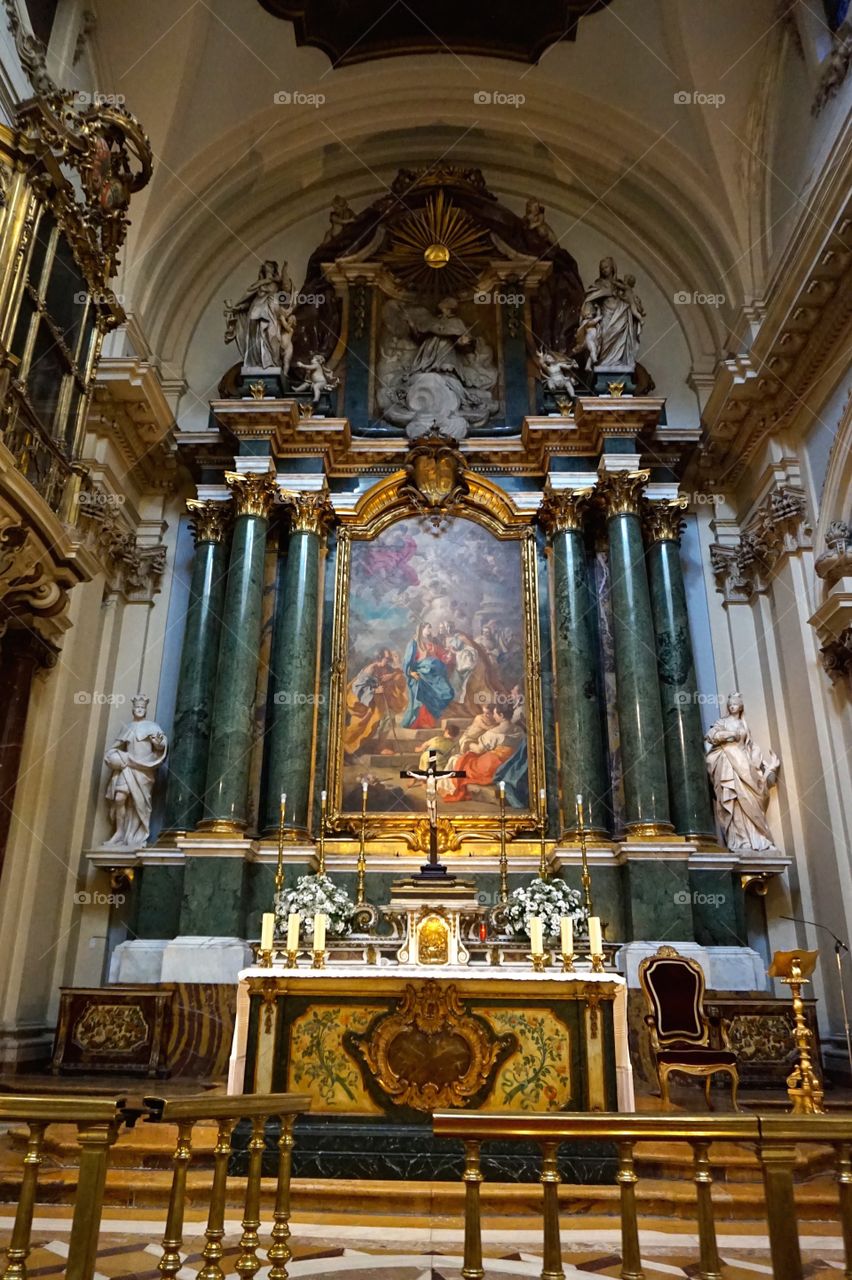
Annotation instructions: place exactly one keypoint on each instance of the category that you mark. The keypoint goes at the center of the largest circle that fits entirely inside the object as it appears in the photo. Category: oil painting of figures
(436, 662)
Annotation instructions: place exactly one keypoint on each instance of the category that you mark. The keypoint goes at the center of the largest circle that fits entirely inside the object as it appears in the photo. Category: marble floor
(419, 1249)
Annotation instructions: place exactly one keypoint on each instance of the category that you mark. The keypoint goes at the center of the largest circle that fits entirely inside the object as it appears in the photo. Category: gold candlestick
(586, 878)
(504, 860)
(321, 841)
(567, 962)
(361, 899)
(279, 870)
(804, 1087)
(318, 961)
(292, 958)
(543, 869)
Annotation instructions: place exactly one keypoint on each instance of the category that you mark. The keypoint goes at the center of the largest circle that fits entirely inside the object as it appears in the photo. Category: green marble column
(231, 733)
(293, 666)
(197, 676)
(689, 792)
(579, 710)
(640, 717)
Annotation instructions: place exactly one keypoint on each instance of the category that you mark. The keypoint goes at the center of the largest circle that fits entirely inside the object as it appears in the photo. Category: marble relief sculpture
(133, 761)
(261, 322)
(435, 374)
(611, 320)
(742, 777)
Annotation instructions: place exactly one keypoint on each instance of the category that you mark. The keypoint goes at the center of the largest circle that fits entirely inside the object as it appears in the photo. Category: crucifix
(433, 869)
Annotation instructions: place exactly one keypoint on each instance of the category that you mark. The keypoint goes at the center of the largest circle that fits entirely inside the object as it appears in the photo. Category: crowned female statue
(742, 778)
(133, 760)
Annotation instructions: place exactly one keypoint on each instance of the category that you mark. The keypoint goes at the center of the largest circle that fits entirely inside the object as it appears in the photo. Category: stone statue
(434, 375)
(535, 221)
(616, 316)
(320, 379)
(133, 761)
(742, 778)
(556, 371)
(261, 322)
(341, 214)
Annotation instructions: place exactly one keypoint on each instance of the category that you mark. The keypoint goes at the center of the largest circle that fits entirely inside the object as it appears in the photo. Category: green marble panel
(157, 892)
(606, 890)
(213, 898)
(657, 900)
(717, 908)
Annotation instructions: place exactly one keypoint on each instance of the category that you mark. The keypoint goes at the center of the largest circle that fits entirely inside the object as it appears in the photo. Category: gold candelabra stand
(361, 897)
(504, 859)
(804, 1087)
(279, 869)
(543, 868)
(585, 876)
(321, 840)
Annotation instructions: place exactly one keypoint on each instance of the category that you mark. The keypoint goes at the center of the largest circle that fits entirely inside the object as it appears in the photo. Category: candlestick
(361, 898)
(585, 876)
(279, 870)
(504, 860)
(321, 842)
(319, 940)
(543, 869)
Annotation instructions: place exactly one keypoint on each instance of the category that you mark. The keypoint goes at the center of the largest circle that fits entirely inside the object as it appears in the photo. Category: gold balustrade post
(95, 1142)
(844, 1191)
(215, 1230)
(631, 1257)
(710, 1266)
(19, 1245)
(777, 1160)
(279, 1254)
(472, 1268)
(551, 1243)
(170, 1263)
(248, 1263)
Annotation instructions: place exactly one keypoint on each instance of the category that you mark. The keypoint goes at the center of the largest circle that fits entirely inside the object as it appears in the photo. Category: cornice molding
(777, 528)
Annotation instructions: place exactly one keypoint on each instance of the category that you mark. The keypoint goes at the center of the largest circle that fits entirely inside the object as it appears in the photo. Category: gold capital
(663, 521)
(563, 509)
(309, 512)
(209, 520)
(621, 491)
(254, 492)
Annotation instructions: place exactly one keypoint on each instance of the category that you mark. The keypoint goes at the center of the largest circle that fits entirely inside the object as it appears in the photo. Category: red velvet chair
(673, 986)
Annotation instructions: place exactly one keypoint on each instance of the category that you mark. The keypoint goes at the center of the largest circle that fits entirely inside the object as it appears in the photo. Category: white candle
(283, 800)
(536, 936)
(364, 785)
(595, 936)
(502, 787)
(293, 922)
(319, 931)
(323, 796)
(267, 931)
(567, 931)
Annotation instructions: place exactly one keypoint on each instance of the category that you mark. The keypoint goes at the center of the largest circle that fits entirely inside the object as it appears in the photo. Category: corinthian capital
(254, 492)
(309, 512)
(564, 509)
(620, 492)
(663, 521)
(208, 520)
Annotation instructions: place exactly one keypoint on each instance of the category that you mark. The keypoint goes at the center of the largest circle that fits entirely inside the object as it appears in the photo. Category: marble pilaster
(639, 711)
(225, 801)
(197, 676)
(293, 664)
(689, 794)
(579, 710)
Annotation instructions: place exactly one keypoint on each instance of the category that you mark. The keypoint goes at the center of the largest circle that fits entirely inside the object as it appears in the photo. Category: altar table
(399, 1042)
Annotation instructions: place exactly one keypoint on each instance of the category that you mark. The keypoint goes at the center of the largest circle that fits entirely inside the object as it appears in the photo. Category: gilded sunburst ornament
(438, 247)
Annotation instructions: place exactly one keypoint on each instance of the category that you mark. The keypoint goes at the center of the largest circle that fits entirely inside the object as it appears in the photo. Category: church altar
(398, 1041)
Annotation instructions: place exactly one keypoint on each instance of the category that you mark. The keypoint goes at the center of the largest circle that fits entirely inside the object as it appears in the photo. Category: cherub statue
(556, 371)
(341, 214)
(320, 379)
(535, 220)
(588, 335)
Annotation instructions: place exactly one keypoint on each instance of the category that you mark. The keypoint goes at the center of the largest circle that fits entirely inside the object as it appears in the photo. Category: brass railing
(775, 1139)
(99, 1121)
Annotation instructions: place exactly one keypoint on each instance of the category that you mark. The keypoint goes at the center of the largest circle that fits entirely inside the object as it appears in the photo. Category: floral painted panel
(319, 1065)
(538, 1076)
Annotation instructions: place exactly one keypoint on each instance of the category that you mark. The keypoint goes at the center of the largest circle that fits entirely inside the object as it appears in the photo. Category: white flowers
(315, 895)
(549, 900)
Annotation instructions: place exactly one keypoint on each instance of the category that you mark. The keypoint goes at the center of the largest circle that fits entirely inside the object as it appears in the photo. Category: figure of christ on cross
(430, 776)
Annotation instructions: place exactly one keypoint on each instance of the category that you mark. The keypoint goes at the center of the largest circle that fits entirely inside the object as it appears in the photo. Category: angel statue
(435, 375)
(320, 379)
(340, 216)
(614, 315)
(133, 760)
(556, 371)
(261, 322)
(742, 778)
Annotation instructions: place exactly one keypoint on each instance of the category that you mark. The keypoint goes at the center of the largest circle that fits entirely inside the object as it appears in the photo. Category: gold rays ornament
(438, 247)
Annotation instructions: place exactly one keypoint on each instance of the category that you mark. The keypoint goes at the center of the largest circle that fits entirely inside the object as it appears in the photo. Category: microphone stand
(839, 947)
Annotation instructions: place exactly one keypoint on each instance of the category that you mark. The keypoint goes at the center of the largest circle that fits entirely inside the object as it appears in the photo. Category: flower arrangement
(311, 896)
(550, 900)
